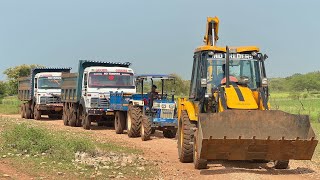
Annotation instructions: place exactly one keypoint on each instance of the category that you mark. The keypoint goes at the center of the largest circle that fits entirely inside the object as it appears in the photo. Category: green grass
(286, 102)
(39, 150)
(10, 105)
(316, 128)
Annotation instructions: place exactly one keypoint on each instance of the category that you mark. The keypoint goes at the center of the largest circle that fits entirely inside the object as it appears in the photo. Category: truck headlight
(43, 100)
(94, 102)
(171, 106)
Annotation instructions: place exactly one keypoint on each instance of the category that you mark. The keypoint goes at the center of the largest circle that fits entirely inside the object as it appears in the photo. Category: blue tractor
(146, 112)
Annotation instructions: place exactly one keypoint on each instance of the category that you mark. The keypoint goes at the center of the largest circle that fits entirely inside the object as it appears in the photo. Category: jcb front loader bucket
(255, 135)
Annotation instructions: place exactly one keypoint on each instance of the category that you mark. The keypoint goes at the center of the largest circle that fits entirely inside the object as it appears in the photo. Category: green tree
(3, 90)
(13, 73)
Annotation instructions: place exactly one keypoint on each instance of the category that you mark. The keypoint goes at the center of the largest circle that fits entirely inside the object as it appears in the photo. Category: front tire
(37, 113)
(170, 133)
(185, 139)
(86, 122)
(146, 128)
(65, 115)
(134, 121)
(119, 122)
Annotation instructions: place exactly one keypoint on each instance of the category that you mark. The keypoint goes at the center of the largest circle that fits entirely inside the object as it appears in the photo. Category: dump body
(253, 134)
(69, 88)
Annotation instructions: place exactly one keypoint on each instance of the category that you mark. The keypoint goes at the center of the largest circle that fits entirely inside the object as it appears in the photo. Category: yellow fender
(190, 107)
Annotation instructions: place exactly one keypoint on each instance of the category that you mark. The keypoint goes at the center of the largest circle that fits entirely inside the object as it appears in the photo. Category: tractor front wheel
(145, 128)
(170, 133)
(134, 116)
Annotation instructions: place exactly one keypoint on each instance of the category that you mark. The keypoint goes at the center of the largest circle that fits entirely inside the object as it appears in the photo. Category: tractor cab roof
(155, 76)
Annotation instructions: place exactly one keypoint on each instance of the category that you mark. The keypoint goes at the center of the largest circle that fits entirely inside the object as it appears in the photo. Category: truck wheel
(134, 116)
(281, 164)
(65, 116)
(37, 113)
(86, 122)
(72, 118)
(169, 133)
(198, 163)
(119, 122)
(28, 111)
(145, 128)
(22, 111)
(185, 138)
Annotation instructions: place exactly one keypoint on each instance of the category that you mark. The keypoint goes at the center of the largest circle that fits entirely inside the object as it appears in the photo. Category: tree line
(9, 87)
(296, 83)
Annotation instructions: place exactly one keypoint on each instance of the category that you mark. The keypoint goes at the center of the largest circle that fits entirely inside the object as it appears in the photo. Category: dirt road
(164, 151)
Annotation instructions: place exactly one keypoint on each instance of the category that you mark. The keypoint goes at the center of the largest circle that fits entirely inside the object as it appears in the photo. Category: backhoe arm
(211, 36)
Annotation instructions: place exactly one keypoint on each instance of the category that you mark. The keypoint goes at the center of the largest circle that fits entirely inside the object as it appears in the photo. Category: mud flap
(252, 135)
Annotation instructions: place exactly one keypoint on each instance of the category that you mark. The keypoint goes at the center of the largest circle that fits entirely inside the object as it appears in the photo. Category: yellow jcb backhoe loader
(227, 115)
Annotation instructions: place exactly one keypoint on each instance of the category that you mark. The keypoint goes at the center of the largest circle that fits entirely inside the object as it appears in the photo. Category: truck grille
(167, 114)
(50, 100)
(104, 103)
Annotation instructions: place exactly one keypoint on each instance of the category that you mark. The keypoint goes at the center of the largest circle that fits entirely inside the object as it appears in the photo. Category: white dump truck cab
(47, 88)
(98, 82)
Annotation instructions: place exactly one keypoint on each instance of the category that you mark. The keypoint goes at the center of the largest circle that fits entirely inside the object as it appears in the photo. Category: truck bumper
(100, 112)
(50, 107)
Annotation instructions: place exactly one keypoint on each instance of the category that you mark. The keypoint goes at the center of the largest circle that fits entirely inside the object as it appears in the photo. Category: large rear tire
(28, 111)
(72, 117)
(281, 164)
(185, 139)
(169, 133)
(134, 121)
(65, 115)
(22, 111)
(37, 113)
(119, 122)
(145, 128)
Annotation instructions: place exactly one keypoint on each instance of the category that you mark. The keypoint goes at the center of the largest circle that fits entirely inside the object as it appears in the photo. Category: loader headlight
(171, 106)
(264, 82)
(254, 53)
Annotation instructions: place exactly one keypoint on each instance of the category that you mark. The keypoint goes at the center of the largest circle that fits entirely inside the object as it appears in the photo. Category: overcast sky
(156, 36)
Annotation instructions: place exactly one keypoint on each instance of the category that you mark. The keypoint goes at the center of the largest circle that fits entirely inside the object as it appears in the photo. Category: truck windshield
(238, 68)
(111, 80)
(52, 82)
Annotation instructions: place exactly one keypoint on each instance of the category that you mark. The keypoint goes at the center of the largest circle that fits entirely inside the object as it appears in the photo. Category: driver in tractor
(153, 94)
(221, 77)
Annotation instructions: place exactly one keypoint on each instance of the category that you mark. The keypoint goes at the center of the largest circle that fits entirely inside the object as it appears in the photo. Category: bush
(33, 140)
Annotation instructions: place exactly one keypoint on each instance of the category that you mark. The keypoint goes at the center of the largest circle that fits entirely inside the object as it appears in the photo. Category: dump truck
(86, 94)
(228, 116)
(142, 114)
(40, 93)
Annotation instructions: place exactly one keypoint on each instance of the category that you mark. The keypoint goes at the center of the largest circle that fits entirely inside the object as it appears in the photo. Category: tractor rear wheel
(169, 133)
(22, 111)
(281, 164)
(185, 138)
(145, 128)
(119, 122)
(37, 113)
(134, 116)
